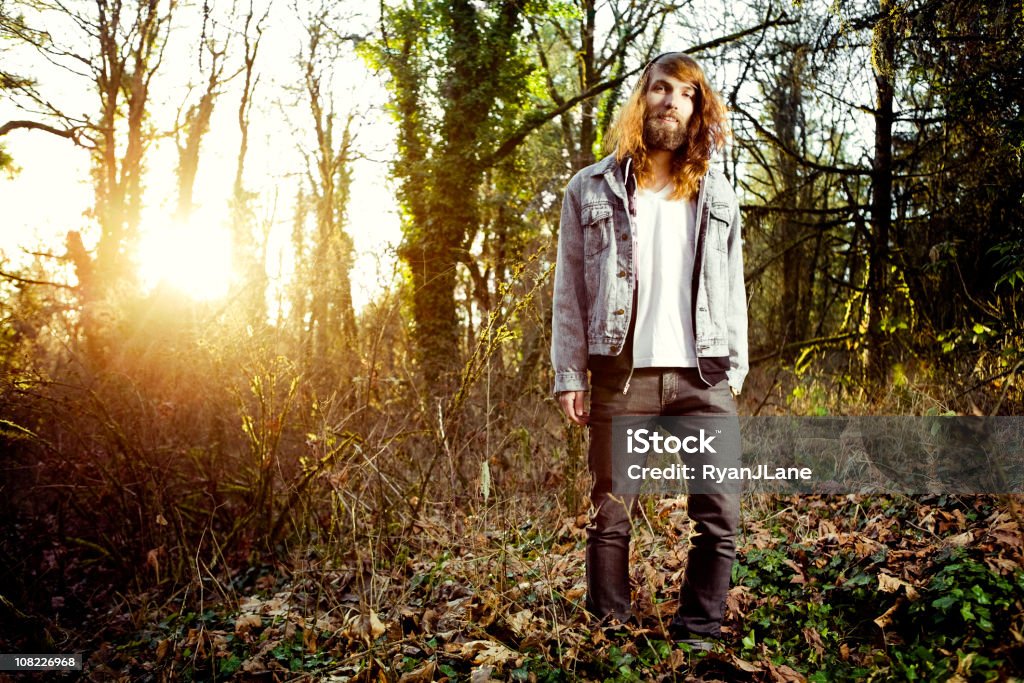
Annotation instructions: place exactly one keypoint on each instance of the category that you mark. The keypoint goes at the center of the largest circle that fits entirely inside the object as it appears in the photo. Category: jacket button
(619, 312)
(623, 236)
(622, 273)
(615, 349)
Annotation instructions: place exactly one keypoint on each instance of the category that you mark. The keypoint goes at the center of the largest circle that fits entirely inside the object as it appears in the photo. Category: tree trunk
(588, 108)
(883, 57)
(787, 105)
(250, 257)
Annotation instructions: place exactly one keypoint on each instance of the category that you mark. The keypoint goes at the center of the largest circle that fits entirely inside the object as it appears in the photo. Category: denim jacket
(595, 280)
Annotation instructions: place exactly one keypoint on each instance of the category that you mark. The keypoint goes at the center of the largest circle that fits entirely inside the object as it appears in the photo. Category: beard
(661, 135)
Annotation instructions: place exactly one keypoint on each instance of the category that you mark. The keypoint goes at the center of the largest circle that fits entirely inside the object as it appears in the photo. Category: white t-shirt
(664, 232)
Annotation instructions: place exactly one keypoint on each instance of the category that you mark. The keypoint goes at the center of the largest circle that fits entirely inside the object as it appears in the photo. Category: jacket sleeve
(569, 315)
(739, 363)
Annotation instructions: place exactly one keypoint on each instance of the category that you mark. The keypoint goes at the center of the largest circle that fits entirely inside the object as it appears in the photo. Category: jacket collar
(620, 176)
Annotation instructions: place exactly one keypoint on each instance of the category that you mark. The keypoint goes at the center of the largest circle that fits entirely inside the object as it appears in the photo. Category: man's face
(669, 106)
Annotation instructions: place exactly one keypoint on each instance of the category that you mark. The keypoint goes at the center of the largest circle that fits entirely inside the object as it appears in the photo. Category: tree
(250, 259)
(472, 55)
(329, 320)
(118, 48)
(888, 215)
(194, 121)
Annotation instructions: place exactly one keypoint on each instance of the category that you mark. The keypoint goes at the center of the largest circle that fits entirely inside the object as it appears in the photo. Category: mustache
(662, 115)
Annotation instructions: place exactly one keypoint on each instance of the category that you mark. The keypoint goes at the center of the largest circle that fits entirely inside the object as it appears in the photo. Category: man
(649, 300)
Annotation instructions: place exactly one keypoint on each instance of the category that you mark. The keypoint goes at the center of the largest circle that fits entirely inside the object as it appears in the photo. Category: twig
(29, 281)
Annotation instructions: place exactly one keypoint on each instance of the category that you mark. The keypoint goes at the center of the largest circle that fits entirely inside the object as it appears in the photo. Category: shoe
(704, 642)
(697, 644)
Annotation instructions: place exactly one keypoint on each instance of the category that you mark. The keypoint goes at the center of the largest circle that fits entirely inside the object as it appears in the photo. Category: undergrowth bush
(165, 477)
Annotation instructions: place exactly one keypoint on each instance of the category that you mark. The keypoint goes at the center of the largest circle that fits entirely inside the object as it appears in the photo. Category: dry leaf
(885, 620)
(371, 627)
(798, 577)
(484, 609)
(786, 674)
(487, 652)
(424, 674)
(153, 561)
(430, 619)
(1007, 534)
(744, 665)
(481, 674)
(275, 607)
(813, 638)
(888, 583)
(250, 604)
(246, 622)
(520, 621)
(677, 659)
(961, 540)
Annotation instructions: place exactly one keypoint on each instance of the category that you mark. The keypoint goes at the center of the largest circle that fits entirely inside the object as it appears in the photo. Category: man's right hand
(572, 406)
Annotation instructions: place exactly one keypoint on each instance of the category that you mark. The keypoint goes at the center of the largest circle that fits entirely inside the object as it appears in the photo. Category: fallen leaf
(424, 674)
(487, 652)
(813, 638)
(1007, 535)
(430, 619)
(250, 604)
(275, 607)
(888, 583)
(520, 621)
(961, 540)
(481, 674)
(744, 665)
(371, 627)
(677, 659)
(786, 674)
(885, 620)
(891, 584)
(484, 609)
(798, 573)
(246, 622)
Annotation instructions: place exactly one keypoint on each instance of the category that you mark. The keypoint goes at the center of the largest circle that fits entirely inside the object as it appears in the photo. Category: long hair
(706, 132)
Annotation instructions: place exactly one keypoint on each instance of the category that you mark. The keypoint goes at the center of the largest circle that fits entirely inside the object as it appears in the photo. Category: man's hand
(572, 406)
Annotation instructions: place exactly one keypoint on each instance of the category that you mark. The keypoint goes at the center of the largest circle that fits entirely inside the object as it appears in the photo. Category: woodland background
(284, 483)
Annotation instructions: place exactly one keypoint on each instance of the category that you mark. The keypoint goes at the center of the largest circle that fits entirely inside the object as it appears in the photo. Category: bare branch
(804, 161)
(73, 134)
(538, 119)
(28, 281)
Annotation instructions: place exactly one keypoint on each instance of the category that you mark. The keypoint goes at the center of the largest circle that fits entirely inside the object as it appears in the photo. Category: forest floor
(825, 588)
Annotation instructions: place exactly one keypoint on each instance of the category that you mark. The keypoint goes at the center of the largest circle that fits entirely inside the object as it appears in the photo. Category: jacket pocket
(718, 227)
(597, 228)
(598, 232)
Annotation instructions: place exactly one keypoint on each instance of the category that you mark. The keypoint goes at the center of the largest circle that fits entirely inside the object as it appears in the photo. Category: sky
(50, 193)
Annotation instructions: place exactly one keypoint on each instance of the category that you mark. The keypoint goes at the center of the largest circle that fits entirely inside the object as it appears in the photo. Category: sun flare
(192, 257)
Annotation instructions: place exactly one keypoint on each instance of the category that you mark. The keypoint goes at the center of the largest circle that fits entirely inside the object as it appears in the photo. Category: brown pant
(658, 391)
